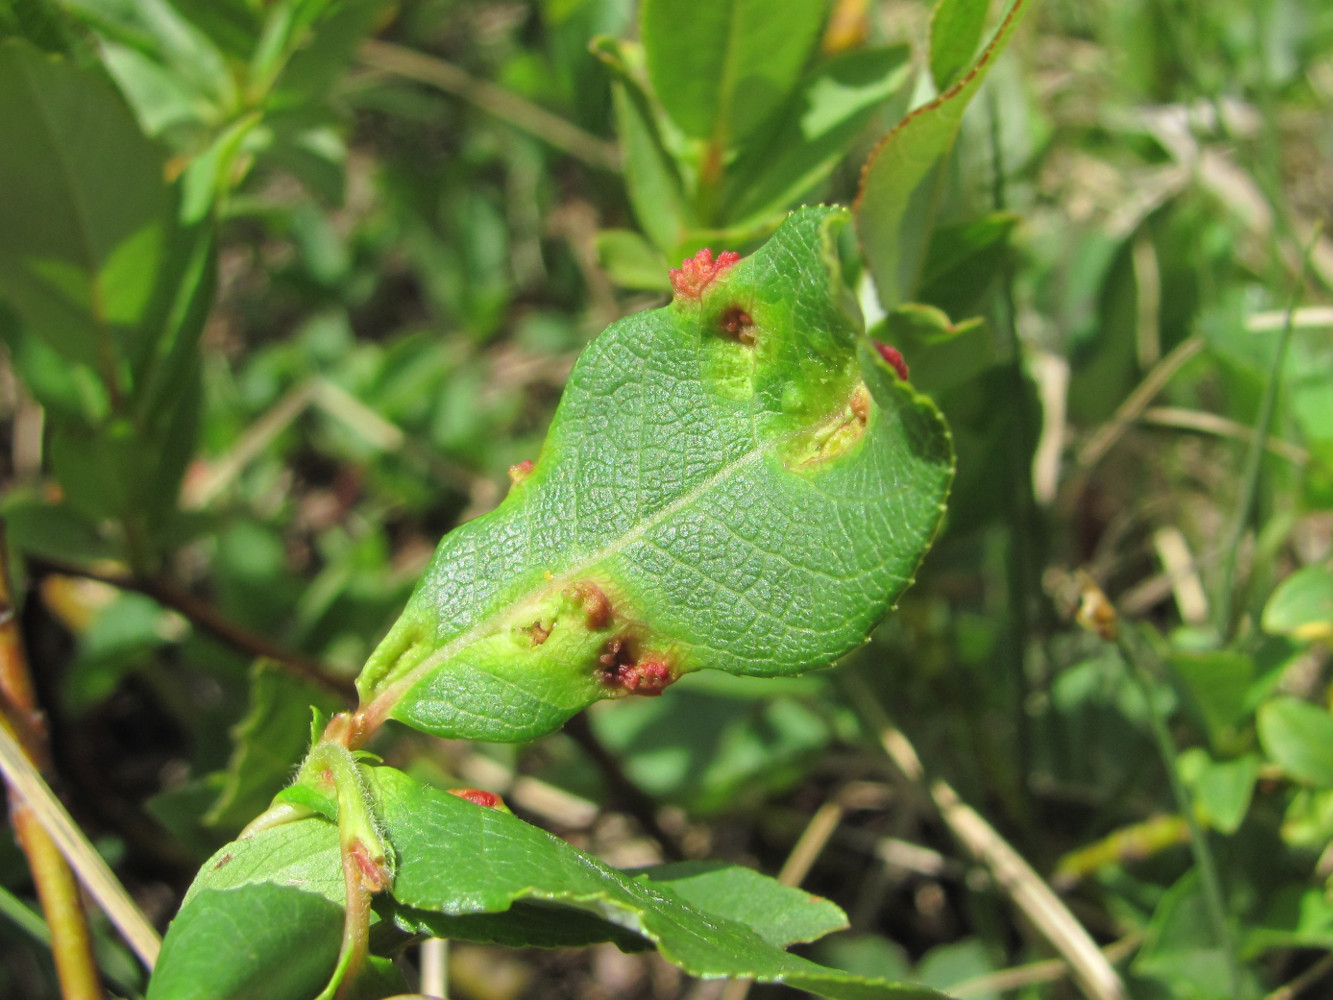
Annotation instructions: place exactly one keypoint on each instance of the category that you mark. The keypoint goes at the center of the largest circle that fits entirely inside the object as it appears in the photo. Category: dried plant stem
(1012, 874)
(1049, 971)
(92, 871)
(23, 739)
(71, 945)
(808, 847)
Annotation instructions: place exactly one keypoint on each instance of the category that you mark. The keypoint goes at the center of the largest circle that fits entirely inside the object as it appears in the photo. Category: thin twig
(1015, 876)
(494, 100)
(1254, 458)
(633, 799)
(209, 619)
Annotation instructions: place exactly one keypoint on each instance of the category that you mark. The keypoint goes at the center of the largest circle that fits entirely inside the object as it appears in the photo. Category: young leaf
(736, 481)
(904, 158)
(1302, 605)
(955, 33)
(800, 147)
(458, 858)
(720, 68)
(1298, 737)
(651, 178)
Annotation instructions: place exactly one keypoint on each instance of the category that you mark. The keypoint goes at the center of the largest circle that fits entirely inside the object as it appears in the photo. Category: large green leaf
(458, 858)
(263, 918)
(906, 157)
(736, 481)
(267, 909)
(720, 68)
(82, 237)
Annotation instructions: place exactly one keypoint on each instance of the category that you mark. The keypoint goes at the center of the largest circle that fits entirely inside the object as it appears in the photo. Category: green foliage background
(368, 269)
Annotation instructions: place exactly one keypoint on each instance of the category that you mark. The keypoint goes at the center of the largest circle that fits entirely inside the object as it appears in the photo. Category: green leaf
(800, 146)
(955, 33)
(631, 261)
(942, 354)
(962, 262)
(1222, 789)
(458, 858)
(699, 502)
(1216, 685)
(1298, 737)
(262, 918)
(1302, 606)
(82, 238)
(779, 914)
(269, 742)
(188, 60)
(651, 178)
(720, 68)
(1179, 950)
(903, 159)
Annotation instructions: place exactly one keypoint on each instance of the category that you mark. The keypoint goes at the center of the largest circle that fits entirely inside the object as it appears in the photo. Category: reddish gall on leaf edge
(478, 797)
(697, 273)
(894, 358)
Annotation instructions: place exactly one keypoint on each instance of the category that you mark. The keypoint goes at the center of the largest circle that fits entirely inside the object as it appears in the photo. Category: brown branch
(209, 619)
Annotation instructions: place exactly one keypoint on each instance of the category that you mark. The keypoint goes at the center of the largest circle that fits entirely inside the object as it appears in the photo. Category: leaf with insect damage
(735, 481)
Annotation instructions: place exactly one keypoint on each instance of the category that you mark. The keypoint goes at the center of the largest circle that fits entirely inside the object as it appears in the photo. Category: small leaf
(631, 261)
(739, 476)
(82, 273)
(1302, 606)
(269, 742)
(800, 146)
(1217, 686)
(904, 158)
(955, 33)
(651, 177)
(1222, 789)
(779, 914)
(942, 354)
(720, 68)
(1298, 737)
